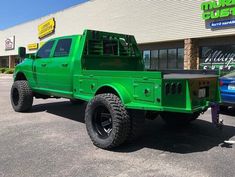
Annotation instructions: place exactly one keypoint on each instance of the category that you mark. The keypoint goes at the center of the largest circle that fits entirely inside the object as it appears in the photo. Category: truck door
(40, 65)
(60, 69)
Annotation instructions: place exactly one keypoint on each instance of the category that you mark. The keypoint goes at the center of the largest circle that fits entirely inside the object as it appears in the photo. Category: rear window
(232, 74)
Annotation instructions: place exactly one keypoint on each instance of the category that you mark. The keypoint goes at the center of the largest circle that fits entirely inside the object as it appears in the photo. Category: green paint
(218, 9)
(99, 62)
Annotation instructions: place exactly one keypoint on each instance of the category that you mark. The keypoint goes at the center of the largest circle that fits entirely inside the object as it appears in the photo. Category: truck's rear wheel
(107, 121)
(178, 119)
(137, 124)
(21, 96)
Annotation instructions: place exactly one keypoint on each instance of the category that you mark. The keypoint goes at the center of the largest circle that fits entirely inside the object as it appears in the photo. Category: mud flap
(215, 116)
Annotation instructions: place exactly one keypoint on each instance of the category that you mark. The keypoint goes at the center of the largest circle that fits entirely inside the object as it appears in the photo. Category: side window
(63, 48)
(44, 52)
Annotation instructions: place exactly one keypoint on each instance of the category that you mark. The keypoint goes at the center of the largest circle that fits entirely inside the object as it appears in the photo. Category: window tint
(164, 58)
(44, 52)
(146, 57)
(154, 59)
(180, 58)
(172, 58)
(63, 48)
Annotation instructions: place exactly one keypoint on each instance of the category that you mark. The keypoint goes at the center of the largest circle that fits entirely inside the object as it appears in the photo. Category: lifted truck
(106, 70)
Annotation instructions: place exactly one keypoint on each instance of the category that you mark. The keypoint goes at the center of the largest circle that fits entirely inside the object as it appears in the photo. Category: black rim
(15, 96)
(102, 122)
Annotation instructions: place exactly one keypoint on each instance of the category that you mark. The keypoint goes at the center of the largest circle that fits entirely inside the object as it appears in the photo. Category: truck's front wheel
(21, 96)
(107, 121)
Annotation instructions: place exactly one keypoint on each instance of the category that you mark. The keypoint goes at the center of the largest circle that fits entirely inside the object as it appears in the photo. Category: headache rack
(110, 51)
(100, 43)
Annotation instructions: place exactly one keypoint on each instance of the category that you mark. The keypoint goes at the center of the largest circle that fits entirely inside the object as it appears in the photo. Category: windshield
(231, 74)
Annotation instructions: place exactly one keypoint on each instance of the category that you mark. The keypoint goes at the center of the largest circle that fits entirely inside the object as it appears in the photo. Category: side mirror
(22, 52)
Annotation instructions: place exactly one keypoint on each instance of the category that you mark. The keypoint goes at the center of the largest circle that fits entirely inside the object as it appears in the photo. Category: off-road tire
(137, 124)
(21, 96)
(119, 116)
(76, 101)
(178, 119)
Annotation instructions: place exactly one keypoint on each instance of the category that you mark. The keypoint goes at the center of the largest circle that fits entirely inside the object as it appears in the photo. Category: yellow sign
(33, 46)
(46, 28)
(41, 44)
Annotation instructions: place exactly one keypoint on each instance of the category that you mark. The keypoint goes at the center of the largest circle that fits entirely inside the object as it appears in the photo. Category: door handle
(65, 64)
(43, 65)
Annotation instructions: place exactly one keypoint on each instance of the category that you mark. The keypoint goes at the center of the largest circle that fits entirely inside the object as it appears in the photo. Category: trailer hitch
(215, 116)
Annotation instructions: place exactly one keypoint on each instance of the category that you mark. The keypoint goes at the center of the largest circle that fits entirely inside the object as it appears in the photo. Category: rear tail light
(173, 88)
(179, 88)
(167, 89)
(221, 83)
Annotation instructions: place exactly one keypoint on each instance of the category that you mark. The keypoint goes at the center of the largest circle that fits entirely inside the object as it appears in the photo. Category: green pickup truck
(107, 71)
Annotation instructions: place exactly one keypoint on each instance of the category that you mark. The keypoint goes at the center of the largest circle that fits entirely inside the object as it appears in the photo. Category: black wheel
(178, 119)
(137, 124)
(76, 101)
(21, 96)
(107, 121)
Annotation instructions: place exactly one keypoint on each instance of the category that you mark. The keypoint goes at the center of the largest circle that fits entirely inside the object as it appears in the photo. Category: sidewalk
(6, 76)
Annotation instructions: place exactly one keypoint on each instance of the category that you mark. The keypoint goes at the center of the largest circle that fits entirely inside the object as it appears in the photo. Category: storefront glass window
(180, 59)
(172, 56)
(154, 59)
(146, 57)
(162, 59)
(4, 62)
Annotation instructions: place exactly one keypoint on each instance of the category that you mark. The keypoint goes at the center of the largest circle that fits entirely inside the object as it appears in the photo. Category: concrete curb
(6, 75)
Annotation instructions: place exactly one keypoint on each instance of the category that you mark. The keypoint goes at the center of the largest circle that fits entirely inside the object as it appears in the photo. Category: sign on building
(33, 46)
(10, 43)
(219, 13)
(46, 28)
(218, 57)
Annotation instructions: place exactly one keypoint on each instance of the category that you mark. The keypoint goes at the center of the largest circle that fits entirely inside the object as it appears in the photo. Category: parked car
(227, 88)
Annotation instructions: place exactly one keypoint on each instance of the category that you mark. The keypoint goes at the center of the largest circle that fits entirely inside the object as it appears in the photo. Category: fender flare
(122, 92)
(17, 73)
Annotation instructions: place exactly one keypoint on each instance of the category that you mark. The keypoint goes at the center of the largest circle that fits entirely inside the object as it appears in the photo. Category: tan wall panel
(149, 20)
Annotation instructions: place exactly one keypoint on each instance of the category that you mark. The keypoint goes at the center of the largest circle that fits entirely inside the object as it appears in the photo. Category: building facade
(172, 34)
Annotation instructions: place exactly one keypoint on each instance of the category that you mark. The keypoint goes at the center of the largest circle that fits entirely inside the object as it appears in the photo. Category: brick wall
(191, 54)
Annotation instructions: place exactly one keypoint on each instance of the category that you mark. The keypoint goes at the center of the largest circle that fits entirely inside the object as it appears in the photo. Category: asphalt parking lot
(52, 140)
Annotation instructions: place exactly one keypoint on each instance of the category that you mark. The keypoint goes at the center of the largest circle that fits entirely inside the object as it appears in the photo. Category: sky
(13, 12)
